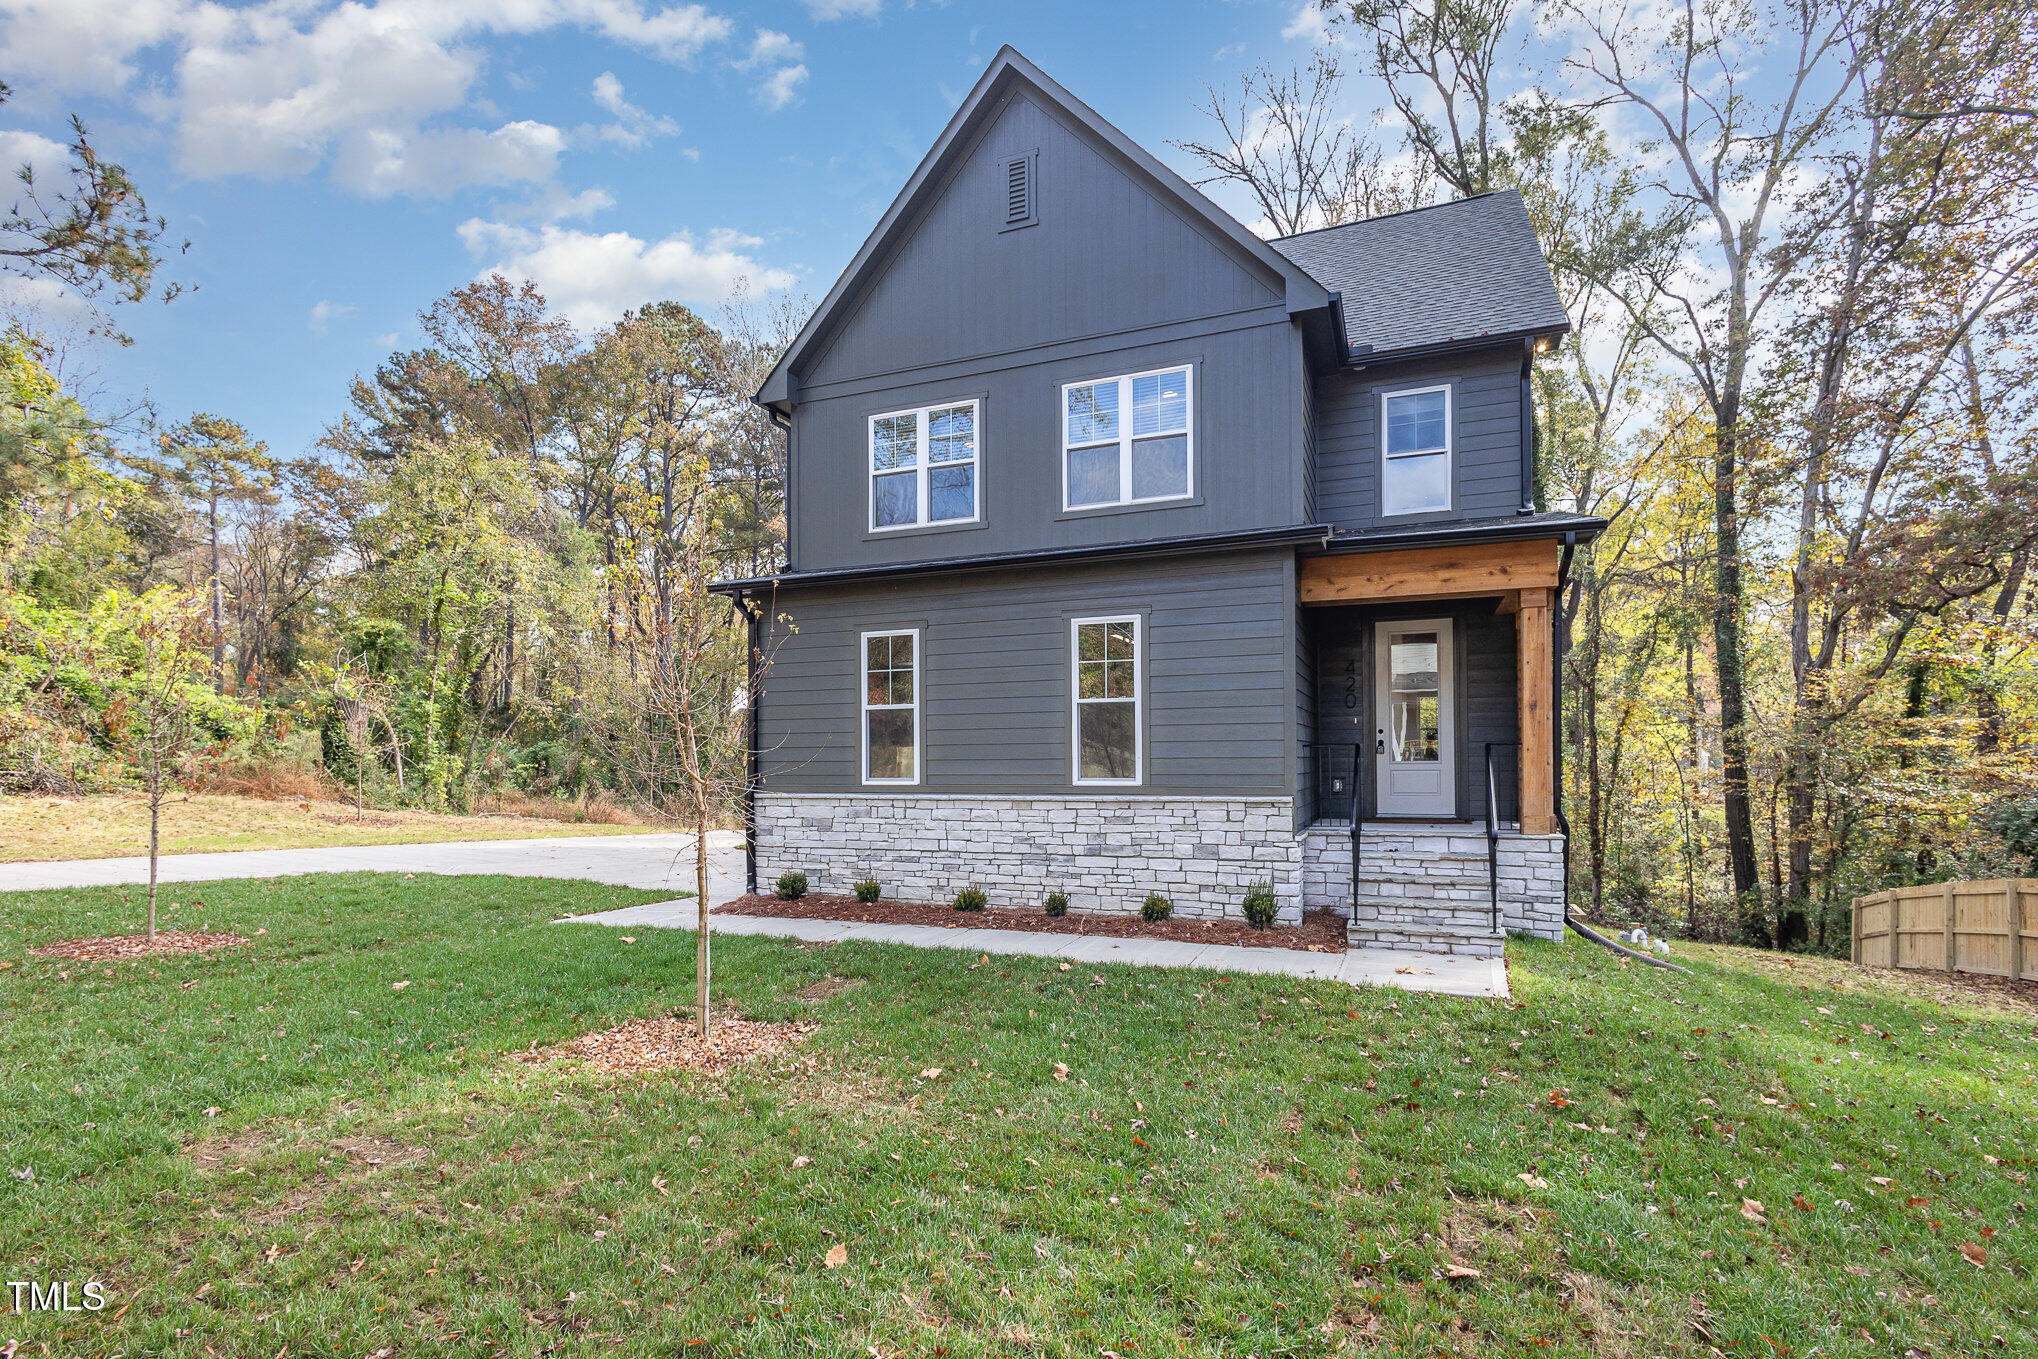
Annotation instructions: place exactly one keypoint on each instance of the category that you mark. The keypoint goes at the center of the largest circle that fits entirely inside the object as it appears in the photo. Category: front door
(1414, 711)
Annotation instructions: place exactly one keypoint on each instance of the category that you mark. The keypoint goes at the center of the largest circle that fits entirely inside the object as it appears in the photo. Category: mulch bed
(138, 945)
(674, 1045)
(1319, 932)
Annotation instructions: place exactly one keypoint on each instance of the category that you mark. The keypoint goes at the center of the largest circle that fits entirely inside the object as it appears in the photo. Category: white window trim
(864, 707)
(1449, 450)
(1076, 701)
(923, 468)
(1125, 438)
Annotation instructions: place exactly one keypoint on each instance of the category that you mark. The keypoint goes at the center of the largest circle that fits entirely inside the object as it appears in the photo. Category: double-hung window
(1127, 440)
(1106, 742)
(891, 707)
(923, 466)
(1415, 467)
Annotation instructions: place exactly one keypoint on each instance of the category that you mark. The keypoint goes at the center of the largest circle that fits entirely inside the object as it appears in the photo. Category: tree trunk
(1727, 660)
(155, 845)
(1595, 790)
(700, 874)
(218, 602)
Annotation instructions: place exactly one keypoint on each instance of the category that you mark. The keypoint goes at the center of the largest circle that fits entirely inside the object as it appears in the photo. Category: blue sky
(336, 167)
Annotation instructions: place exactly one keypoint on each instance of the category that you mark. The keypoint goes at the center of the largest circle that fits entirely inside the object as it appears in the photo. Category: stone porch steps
(1430, 923)
(1456, 940)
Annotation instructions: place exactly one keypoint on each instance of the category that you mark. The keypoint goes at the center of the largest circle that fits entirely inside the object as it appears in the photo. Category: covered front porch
(1429, 708)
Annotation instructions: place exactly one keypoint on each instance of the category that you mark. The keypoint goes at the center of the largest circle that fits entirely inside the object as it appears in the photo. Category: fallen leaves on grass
(838, 1256)
(674, 1045)
(1753, 1210)
(1974, 1253)
(138, 945)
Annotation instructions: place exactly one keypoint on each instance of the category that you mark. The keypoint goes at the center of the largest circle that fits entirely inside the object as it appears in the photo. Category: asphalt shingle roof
(1437, 275)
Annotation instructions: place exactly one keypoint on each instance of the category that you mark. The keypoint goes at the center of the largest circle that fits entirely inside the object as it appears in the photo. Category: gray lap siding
(1217, 681)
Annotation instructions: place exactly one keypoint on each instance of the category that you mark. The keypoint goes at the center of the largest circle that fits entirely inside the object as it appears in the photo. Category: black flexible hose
(1604, 942)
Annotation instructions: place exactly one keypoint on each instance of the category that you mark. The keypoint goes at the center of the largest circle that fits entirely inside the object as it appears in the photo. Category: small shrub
(1057, 904)
(971, 898)
(1261, 905)
(1155, 908)
(868, 889)
(792, 886)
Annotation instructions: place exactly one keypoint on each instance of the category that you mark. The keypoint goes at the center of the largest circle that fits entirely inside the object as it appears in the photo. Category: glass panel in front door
(1415, 700)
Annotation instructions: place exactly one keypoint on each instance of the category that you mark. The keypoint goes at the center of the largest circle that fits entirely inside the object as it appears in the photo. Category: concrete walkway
(658, 863)
(1356, 967)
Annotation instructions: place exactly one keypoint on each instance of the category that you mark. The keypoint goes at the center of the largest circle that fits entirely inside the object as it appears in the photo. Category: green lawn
(272, 1151)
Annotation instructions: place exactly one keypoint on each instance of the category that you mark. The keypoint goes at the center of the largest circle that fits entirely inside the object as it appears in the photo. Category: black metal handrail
(1358, 831)
(1493, 830)
(1335, 775)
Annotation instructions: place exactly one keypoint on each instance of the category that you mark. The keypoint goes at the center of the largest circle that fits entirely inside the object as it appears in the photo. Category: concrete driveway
(661, 863)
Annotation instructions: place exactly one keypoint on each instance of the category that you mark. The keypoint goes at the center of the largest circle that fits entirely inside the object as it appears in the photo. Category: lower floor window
(891, 707)
(1104, 654)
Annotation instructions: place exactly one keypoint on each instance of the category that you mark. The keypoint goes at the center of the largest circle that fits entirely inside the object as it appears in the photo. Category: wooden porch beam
(1457, 572)
(1534, 710)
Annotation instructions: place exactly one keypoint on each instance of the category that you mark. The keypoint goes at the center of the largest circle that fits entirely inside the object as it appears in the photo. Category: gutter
(1292, 535)
(1580, 528)
(1361, 356)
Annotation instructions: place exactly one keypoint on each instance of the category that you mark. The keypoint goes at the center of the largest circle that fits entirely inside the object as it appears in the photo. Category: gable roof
(1303, 291)
(1444, 275)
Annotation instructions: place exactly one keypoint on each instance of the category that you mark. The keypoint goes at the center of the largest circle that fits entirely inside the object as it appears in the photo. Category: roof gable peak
(1005, 72)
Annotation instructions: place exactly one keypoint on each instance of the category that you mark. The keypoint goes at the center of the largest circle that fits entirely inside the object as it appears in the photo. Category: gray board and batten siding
(1486, 436)
(1217, 684)
(1114, 278)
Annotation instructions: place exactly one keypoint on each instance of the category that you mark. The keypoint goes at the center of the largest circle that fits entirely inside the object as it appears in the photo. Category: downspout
(753, 755)
(1528, 434)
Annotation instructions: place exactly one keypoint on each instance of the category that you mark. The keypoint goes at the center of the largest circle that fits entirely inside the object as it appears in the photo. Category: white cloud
(74, 46)
(784, 60)
(825, 10)
(377, 90)
(40, 304)
(1311, 24)
(379, 163)
(770, 47)
(19, 148)
(634, 127)
(323, 312)
(781, 87)
(591, 278)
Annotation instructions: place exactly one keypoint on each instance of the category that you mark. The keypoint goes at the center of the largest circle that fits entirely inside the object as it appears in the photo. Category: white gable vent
(1020, 208)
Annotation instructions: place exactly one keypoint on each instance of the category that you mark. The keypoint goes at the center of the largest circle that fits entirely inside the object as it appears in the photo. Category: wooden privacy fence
(1985, 927)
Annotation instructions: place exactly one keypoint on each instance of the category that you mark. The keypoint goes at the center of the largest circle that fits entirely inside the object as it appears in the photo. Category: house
(1131, 552)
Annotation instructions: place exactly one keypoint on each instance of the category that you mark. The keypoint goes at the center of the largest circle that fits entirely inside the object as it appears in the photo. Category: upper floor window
(923, 466)
(1415, 469)
(1126, 440)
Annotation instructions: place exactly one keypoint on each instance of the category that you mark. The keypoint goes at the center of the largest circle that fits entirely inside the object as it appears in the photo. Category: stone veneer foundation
(1107, 853)
(1453, 860)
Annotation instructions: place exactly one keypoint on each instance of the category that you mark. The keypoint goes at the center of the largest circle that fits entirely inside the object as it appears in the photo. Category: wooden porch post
(1534, 712)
